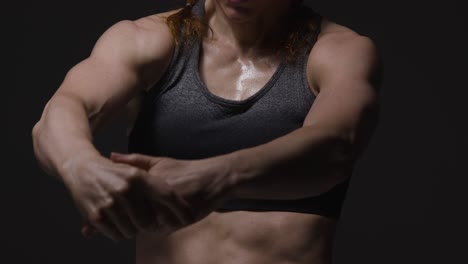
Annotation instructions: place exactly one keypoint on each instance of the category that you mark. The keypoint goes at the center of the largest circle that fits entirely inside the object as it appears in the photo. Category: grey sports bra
(182, 119)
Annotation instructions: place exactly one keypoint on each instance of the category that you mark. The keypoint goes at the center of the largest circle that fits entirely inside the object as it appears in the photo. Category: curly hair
(303, 23)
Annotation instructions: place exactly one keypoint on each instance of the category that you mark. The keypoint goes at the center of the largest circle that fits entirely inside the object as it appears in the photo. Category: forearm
(305, 162)
(63, 132)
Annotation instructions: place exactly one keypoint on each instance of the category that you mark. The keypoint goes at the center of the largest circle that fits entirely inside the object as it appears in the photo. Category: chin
(238, 15)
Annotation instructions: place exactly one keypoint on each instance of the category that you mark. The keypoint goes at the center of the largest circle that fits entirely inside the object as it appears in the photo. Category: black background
(407, 199)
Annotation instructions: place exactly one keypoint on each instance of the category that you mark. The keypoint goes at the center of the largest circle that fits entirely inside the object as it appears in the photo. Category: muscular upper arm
(128, 58)
(345, 68)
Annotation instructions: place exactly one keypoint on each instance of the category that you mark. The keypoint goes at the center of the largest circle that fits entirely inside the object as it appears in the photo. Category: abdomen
(243, 237)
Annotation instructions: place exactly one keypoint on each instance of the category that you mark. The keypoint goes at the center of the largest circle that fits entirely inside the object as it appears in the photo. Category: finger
(185, 208)
(177, 211)
(182, 214)
(165, 217)
(165, 220)
(137, 208)
(108, 229)
(137, 160)
(165, 209)
(121, 221)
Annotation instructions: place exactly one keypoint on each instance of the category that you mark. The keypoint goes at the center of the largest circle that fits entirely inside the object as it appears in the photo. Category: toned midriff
(246, 237)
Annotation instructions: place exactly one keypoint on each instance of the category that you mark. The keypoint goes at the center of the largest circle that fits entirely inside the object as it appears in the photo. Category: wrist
(66, 166)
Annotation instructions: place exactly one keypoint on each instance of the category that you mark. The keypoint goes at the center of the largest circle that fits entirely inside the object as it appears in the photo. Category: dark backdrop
(407, 199)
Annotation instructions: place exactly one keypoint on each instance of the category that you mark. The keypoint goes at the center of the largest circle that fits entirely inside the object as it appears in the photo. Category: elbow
(35, 134)
(338, 146)
(341, 162)
(35, 130)
(37, 127)
(331, 147)
(35, 144)
(337, 166)
(338, 162)
(38, 148)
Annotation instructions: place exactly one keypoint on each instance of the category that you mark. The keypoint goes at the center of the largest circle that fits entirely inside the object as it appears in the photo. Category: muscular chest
(228, 75)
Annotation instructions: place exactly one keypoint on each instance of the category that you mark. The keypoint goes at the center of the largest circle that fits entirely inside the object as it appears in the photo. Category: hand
(112, 197)
(204, 184)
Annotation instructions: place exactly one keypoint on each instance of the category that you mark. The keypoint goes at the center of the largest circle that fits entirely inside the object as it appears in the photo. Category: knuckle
(133, 173)
(135, 176)
(106, 204)
(121, 188)
(95, 217)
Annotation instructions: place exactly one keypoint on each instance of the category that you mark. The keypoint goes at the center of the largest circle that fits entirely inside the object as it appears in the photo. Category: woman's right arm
(128, 58)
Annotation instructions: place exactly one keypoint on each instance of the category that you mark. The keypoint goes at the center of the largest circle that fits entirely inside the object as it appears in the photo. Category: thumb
(138, 160)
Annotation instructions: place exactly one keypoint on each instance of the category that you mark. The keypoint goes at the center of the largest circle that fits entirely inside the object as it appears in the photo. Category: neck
(259, 33)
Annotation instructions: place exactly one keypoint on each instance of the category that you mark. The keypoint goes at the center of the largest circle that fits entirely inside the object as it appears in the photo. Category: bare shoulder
(143, 39)
(155, 23)
(341, 51)
(146, 44)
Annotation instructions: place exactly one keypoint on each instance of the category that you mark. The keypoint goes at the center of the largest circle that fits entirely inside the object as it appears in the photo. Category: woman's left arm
(317, 156)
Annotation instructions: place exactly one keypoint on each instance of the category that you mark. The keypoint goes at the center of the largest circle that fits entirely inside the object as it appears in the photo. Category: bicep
(347, 105)
(100, 86)
(114, 72)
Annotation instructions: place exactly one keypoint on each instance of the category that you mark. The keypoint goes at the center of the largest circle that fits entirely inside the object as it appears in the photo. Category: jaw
(237, 13)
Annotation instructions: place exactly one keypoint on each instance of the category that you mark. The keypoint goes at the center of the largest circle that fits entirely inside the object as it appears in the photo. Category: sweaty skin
(115, 74)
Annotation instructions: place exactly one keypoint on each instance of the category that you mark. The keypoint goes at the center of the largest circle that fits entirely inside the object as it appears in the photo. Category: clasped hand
(156, 194)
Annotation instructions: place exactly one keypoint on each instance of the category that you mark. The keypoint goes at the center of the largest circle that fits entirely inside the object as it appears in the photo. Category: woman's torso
(246, 237)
